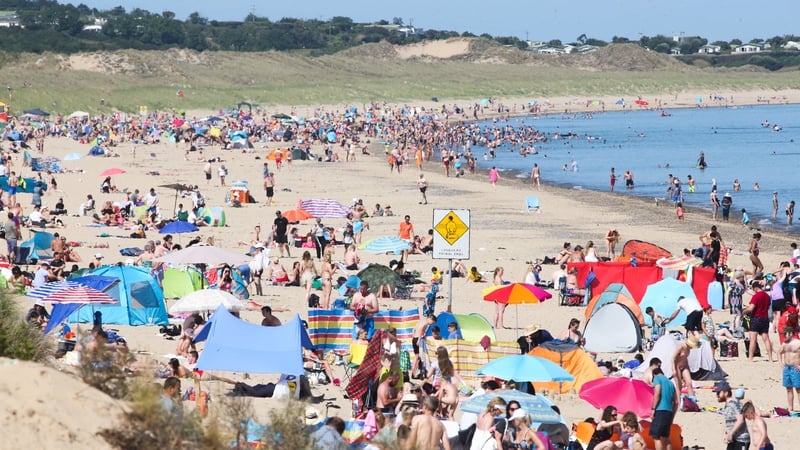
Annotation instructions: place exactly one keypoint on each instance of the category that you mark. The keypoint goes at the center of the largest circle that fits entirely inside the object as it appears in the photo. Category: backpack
(688, 404)
(313, 301)
(170, 330)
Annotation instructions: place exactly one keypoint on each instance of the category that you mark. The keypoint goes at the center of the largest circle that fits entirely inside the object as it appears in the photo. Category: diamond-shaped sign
(451, 227)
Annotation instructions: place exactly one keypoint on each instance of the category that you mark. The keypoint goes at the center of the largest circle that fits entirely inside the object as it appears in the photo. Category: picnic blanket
(332, 329)
(369, 368)
(45, 164)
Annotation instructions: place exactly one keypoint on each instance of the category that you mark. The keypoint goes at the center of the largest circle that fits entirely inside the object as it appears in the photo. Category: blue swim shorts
(791, 377)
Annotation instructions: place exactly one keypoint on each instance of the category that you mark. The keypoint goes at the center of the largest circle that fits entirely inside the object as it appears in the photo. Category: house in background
(747, 48)
(792, 45)
(9, 19)
(709, 49)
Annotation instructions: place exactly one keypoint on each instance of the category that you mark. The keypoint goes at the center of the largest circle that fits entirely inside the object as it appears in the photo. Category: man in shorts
(419, 334)
(665, 405)
(694, 315)
(758, 310)
(12, 235)
(269, 187)
(280, 229)
(789, 357)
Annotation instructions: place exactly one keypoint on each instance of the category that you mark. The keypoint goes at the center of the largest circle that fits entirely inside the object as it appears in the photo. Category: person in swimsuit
(308, 272)
(526, 438)
(276, 273)
(328, 268)
(485, 437)
(758, 432)
(601, 438)
(613, 179)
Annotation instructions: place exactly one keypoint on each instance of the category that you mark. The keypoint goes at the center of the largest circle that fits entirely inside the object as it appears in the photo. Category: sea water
(734, 140)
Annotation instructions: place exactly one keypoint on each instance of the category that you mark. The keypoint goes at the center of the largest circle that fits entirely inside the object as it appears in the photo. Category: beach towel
(369, 368)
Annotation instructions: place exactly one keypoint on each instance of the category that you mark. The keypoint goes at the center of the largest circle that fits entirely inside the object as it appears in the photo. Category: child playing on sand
(494, 175)
(679, 211)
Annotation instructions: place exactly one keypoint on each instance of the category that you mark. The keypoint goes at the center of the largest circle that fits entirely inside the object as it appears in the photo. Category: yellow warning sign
(451, 227)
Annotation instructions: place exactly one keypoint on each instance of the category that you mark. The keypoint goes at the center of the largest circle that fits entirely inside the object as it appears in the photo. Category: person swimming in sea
(701, 161)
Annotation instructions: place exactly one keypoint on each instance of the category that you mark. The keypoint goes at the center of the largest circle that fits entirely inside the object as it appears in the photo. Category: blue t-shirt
(667, 393)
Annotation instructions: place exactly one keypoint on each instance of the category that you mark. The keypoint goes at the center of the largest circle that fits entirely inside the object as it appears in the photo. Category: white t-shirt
(689, 305)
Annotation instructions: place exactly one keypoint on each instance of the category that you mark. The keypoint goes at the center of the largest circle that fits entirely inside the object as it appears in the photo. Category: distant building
(747, 48)
(710, 49)
(792, 45)
(586, 48)
(9, 19)
(549, 51)
(675, 51)
(93, 28)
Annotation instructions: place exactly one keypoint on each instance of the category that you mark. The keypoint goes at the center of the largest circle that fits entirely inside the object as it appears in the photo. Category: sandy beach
(503, 234)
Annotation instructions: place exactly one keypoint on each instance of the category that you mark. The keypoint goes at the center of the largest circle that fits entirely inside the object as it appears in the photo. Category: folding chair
(357, 353)
(532, 204)
(565, 297)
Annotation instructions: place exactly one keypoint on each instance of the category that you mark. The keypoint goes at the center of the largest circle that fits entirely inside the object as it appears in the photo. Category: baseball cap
(721, 386)
(98, 256)
(519, 414)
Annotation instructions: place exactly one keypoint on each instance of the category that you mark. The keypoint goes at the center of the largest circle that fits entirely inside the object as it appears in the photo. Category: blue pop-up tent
(141, 300)
(235, 345)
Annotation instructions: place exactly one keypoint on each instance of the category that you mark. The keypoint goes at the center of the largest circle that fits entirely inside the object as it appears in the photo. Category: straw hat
(312, 416)
(692, 342)
(530, 329)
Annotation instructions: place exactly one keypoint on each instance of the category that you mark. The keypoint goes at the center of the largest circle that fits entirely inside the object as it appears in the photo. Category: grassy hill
(124, 80)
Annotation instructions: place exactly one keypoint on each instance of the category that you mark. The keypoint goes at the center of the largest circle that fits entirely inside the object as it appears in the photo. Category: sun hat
(312, 416)
(530, 329)
(692, 342)
(519, 414)
(98, 256)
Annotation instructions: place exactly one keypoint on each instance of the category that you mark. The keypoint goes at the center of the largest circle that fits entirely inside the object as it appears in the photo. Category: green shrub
(18, 339)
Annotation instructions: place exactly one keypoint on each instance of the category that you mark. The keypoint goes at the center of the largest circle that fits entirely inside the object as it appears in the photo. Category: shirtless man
(647, 376)
(789, 357)
(758, 432)
(269, 187)
(419, 334)
(365, 305)
(426, 430)
(388, 395)
(680, 365)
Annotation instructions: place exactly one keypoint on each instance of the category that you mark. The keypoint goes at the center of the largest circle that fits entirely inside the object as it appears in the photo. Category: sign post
(451, 240)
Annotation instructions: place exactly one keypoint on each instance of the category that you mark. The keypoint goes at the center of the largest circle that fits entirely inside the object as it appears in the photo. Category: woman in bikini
(499, 307)
(276, 273)
(526, 438)
(308, 272)
(327, 276)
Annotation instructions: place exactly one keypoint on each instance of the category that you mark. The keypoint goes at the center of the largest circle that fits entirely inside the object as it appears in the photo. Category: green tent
(181, 281)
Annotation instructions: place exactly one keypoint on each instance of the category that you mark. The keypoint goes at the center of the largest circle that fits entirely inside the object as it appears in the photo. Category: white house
(549, 51)
(747, 48)
(709, 49)
(792, 45)
(9, 19)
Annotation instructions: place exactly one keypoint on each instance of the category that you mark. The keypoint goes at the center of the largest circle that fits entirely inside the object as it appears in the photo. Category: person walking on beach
(758, 435)
(789, 357)
(665, 406)
(494, 175)
(207, 172)
(612, 237)
(536, 176)
(790, 212)
(714, 204)
(613, 179)
(727, 202)
(679, 211)
(758, 309)
(758, 266)
(736, 435)
(775, 205)
(422, 184)
(269, 187)
(222, 172)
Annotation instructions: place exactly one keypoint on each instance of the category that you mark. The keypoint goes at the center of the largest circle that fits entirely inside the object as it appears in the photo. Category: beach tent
(238, 286)
(663, 297)
(214, 217)
(299, 154)
(36, 248)
(234, 345)
(179, 281)
(573, 359)
(702, 364)
(141, 301)
(473, 326)
(615, 292)
(612, 328)
(645, 251)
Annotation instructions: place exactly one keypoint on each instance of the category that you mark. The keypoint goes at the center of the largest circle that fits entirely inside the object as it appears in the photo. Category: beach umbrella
(50, 288)
(385, 244)
(112, 172)
(281, 116)
(663, 297)
(525, 368)
(626, 394)
(641, 102)
(297, 215)
(204, 254)
(538, 406)
(73, 156)
(177, 187)
(378, 275)
(516, 294)
(207, 300)
(324, 208)
(178, 227)
(620, 102)
(79, 295)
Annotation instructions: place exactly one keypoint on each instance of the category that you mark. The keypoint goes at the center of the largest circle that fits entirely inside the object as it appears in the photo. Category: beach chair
(532, 204)
(357, 353)
(565, 297)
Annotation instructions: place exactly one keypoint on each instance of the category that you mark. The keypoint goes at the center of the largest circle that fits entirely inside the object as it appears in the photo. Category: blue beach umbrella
(525, 368)
(385, 244)
(178, 227)
(663, 297)
(352, 282)
(538, 406)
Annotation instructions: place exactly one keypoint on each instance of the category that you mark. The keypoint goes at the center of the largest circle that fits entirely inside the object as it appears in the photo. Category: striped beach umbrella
(385, 244)
(51, 288)
(79, 295)
(324, 208)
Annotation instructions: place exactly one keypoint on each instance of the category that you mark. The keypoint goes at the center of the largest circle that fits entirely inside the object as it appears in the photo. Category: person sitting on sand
(276, 273)
(475, 276)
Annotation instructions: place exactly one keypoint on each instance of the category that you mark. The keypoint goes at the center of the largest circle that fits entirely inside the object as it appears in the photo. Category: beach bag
(729, 349)
(688, 404)
(747, 349)
(313, 301)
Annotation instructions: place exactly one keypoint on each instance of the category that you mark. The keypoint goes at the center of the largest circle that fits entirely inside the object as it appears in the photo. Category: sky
(526, 19)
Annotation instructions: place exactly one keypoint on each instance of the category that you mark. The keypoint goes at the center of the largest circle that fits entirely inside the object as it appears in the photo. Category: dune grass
(219, 80)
